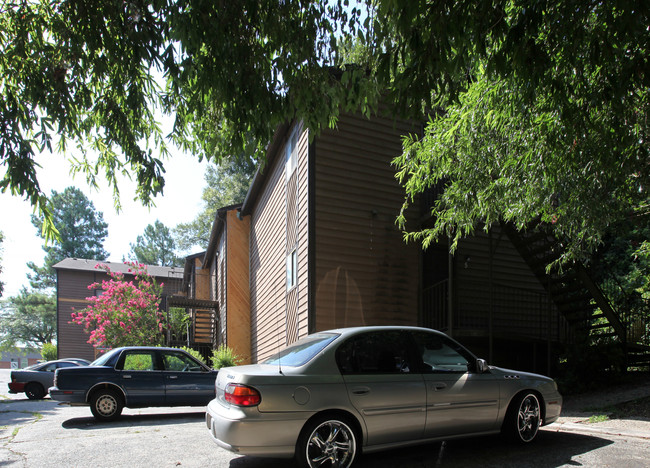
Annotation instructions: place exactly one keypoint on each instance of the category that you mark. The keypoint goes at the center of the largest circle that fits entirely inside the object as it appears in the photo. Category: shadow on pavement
(19, 411)
(551, 449)
(130, 420)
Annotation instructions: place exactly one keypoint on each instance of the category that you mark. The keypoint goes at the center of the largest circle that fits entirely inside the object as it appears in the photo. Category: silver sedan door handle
(360, 391)
(439, 386)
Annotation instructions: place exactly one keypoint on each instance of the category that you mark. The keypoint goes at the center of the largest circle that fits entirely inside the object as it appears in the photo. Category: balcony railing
(514, 311)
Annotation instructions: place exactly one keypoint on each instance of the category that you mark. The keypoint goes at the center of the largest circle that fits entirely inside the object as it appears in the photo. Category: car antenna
(279, 353)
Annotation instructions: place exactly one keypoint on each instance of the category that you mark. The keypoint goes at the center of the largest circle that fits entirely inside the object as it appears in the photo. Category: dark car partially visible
(136, 377)
(36, 379)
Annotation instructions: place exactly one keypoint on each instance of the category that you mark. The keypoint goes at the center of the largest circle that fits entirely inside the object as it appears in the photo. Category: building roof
(82, 264)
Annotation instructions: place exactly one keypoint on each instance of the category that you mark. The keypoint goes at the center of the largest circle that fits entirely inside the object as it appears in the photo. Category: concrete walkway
(577, 409)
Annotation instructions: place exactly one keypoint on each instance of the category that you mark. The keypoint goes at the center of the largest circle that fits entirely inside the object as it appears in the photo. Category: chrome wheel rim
(528, 419)
(332, 443)
(106, 405)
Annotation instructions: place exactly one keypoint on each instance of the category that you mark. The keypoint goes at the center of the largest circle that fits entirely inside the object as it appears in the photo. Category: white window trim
(292, 269)
(291, 153)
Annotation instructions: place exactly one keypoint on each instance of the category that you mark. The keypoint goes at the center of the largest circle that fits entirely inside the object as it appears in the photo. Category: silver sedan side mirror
(481, 366)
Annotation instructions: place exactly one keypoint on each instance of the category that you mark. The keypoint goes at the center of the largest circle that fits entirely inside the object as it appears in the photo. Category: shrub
(224, 356)
(126, 314)
(193, 352)
(49, 352)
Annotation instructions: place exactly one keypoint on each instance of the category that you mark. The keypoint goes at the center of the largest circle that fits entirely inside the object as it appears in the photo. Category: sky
(181, 202)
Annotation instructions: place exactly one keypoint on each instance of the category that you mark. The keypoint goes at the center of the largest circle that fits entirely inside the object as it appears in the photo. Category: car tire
(34, 391)
(327, 437)
(523, 419)
(106, 405)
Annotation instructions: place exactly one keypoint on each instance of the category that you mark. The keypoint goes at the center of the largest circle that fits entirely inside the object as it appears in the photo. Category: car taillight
(242, 395)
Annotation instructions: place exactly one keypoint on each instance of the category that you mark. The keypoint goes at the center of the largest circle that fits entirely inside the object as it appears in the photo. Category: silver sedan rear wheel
(327, 442)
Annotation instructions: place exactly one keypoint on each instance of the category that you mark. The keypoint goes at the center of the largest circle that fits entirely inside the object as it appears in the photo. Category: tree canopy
(82, 233)
(27, 319)
(156, 246)
(226, 184)
(2, 285)
(538, 110)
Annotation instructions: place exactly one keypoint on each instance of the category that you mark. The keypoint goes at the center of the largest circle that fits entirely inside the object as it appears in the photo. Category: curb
(590, 429)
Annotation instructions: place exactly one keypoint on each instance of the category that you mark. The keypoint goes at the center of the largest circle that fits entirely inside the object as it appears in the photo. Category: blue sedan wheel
(106, 405)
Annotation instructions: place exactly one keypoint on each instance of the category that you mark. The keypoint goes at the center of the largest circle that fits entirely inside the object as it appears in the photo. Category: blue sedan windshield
(302, 351)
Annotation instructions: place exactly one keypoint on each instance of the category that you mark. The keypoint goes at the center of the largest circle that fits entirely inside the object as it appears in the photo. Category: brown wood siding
(238, 289)
(267, 264)
(365, 273)
(72, 291)
(279, 316)
(303, 236)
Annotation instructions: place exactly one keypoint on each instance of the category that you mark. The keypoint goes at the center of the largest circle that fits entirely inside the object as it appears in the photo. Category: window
(61, 365)
(441, 355)
(383, 352)
(292, 269)
(138, 361)
(291, 153)
(180, 362)
(302, 351)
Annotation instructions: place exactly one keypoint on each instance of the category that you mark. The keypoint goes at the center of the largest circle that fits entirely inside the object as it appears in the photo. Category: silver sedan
(336, 393)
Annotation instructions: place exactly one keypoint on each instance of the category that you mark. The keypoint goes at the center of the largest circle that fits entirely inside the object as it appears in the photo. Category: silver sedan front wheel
(524, 418)
(327, 442)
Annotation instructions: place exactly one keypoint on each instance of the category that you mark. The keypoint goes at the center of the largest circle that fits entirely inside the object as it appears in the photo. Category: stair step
(606, 335)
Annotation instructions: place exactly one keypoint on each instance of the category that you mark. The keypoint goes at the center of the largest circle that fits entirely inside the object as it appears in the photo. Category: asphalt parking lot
(43, 433)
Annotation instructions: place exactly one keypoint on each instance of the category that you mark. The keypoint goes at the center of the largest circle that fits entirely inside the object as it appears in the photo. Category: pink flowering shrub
(127, 313)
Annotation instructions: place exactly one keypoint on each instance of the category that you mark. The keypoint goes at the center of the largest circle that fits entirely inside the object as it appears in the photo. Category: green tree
(82, 233)
(49, 352)
(622, 267)
(573, 77)
(27, 319)
(156, 247)
(86, 72)
(2, 285)
(226, 184)
(538, 113)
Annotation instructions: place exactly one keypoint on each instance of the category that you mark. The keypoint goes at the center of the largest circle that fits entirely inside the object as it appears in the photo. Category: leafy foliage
(622, 267)
(545, 121)
(49, 351)
(226, 184)
(542, 105)
(156, 247)
(82, 233)
(88, 72)
(28, 318)
(177, 323)
(224, 356)
(2, 285)
(193, 352)
(126, 313)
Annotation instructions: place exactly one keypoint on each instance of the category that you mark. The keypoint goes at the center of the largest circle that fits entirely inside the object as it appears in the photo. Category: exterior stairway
(204, 326)
(577, 297)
